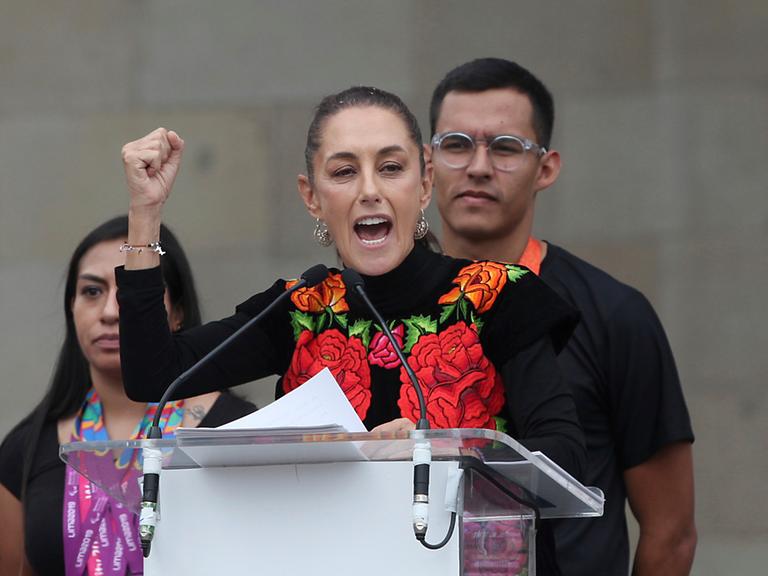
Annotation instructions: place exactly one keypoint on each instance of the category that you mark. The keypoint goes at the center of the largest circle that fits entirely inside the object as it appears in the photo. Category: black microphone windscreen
(351, 278)
(315, 275)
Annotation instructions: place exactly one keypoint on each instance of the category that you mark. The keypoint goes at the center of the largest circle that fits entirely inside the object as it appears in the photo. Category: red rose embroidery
(462, 388)
(382, 353)
(345, 358)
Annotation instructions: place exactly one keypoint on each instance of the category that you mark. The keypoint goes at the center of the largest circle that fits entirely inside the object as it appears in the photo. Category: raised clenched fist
(151, 164)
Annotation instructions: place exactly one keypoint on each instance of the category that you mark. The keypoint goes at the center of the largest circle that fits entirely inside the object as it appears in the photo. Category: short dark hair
(491, 73)
(359, 96)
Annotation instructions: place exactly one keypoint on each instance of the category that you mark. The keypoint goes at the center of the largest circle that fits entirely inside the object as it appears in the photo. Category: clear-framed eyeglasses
(507, 153)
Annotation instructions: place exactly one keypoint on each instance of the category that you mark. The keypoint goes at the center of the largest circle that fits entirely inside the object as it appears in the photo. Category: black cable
(467, 464)
(445, 540)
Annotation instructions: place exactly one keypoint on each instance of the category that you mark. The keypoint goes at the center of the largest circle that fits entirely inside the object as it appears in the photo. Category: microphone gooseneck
(352, 278)
(153, 456)
(310, 278)
(422, 451)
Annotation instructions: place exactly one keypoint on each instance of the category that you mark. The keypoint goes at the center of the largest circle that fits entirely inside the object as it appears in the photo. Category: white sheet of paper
(318, 402)
(316, 406)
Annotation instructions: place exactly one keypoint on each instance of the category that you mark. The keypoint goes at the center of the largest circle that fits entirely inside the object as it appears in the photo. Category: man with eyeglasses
(491, 122)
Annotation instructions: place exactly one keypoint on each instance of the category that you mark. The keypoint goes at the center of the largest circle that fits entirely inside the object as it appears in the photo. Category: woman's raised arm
(151, 164)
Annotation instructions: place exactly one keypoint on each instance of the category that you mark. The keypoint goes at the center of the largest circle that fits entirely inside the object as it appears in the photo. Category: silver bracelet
(139, 248)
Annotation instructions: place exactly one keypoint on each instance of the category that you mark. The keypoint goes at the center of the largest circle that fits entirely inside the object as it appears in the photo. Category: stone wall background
(662, 123)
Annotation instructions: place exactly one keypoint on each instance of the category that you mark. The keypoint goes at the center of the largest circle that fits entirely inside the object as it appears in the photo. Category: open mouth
(372, 230)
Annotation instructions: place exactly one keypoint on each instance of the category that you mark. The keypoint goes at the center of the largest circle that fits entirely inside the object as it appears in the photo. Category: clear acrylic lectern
(250, 501)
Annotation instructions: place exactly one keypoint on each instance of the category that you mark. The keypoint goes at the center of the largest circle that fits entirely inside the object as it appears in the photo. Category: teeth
(370, 221)
(373, 242)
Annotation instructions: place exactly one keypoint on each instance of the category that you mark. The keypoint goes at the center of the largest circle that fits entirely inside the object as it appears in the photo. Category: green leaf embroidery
(341, 319)
(424, 323)
(447, 311)
(412, 334)
(463, 308)
(321, 323)
(501, 424)
(415, 326)
(361, 328)
(478, 322)
(514, 273)
(300, 322)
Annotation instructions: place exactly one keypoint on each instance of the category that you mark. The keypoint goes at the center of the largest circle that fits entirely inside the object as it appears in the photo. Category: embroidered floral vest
(442, 345)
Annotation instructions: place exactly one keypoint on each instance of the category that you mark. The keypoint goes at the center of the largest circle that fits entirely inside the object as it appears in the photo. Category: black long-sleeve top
(481, 337)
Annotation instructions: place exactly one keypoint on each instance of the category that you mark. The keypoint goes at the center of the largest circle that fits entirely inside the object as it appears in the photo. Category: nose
(111, 311)
(369, 190)
(480, 165)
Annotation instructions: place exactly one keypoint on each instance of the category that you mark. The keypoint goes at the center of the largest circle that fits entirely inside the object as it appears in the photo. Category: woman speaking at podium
(481, 336)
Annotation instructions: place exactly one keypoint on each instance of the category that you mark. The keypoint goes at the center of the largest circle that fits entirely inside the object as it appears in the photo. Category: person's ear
(308, 196)
(426, 179)
(427, 153)
(549, 170)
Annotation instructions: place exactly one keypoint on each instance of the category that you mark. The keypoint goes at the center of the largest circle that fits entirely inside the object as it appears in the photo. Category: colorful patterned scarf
(100, 535)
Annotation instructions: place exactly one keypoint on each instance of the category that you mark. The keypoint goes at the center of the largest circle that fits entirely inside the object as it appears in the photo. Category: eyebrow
(352, 156)
(342, 156)
(390, 149)
(92, 278)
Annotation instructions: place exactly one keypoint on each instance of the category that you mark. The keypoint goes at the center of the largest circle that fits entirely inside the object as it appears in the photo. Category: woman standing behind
(86, 401)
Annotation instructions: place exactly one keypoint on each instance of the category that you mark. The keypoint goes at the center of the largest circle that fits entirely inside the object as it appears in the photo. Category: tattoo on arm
(196, 412)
